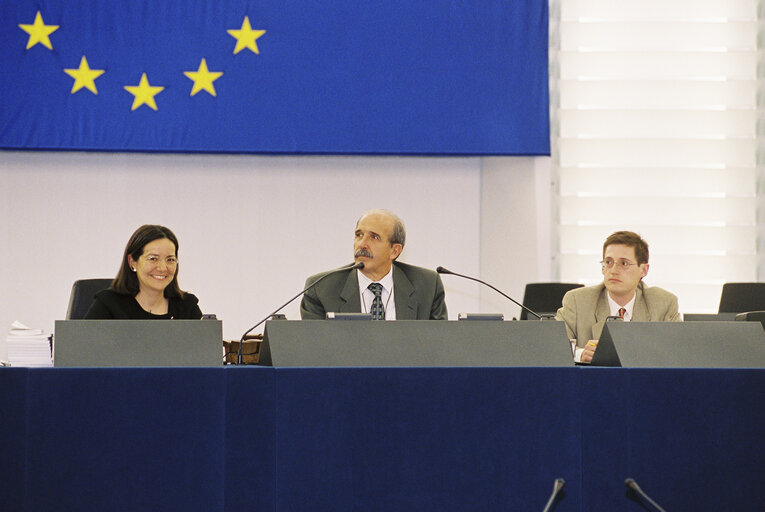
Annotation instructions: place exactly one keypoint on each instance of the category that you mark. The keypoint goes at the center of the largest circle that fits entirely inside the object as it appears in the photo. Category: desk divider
(425, 343)
(681, 345)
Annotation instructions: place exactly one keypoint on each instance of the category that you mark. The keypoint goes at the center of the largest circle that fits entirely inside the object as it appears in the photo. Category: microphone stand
(355, 266)
(442, 270)
(557, 487)
(633, 486)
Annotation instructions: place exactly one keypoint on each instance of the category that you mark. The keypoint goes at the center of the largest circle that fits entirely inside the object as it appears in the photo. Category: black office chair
(752, 316)
(742, 297)
(545, 297)
(82, 295)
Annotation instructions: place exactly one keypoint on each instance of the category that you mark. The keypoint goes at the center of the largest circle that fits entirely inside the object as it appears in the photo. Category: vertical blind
(654, 126)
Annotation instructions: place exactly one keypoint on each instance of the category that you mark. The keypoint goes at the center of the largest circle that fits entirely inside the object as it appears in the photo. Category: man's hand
(589, 351)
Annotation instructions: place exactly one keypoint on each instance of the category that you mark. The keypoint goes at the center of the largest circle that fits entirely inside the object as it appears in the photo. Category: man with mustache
(385, 288)
(622, 293)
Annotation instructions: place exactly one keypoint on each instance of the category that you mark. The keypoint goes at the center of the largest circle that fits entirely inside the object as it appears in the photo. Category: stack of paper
(28, 347)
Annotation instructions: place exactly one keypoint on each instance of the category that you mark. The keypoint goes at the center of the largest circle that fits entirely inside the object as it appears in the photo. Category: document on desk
(28, 347)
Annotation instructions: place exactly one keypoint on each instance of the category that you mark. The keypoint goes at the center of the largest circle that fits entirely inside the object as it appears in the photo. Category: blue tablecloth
(387, 439)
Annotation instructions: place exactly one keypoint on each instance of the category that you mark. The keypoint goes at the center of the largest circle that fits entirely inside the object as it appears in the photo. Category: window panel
(675, 240)
(714, 270)
(658, 94)
(676, 10)
(654, 116)
(669, 124)
(658, 152)
(638, 65)
(658, 36)
(678, 211)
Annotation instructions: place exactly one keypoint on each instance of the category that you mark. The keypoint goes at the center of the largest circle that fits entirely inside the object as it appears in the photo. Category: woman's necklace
(163, 302)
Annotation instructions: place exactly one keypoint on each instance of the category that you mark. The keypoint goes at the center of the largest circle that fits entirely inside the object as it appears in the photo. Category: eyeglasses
(620, 263)
(170, 261)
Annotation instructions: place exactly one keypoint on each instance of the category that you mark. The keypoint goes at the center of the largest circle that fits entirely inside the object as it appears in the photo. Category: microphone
(355, 266)
(442, 270)
(633, 486)
(557, 488)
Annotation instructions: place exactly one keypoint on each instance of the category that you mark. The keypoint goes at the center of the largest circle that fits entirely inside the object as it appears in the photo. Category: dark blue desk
(235, 439)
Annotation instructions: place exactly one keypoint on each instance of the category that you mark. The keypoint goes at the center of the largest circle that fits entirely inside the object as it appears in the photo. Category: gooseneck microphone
(442, 270)
(557, 488)
(355, 266)
(633, 486)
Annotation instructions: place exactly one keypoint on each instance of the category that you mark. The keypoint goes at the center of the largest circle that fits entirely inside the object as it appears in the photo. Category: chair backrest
(82, 295)
(545, 297)
(742, 297)
(752, 316)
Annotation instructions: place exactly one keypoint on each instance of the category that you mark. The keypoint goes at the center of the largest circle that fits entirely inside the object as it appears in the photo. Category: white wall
(252, 228)
(516, 229)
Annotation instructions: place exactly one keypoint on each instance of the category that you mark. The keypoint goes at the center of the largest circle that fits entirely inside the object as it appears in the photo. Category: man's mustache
(363, 252)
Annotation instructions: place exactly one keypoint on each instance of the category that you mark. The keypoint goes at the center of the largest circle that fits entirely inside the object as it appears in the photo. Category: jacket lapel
(640, 312)
(403, 293)
(349, 295)
(601, 313)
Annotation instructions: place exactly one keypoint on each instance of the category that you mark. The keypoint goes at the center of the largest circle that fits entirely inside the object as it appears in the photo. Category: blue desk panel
(250, 438)
(13, 437)
(691, 438)
(370, 439)
(443, 439)
(125, 439)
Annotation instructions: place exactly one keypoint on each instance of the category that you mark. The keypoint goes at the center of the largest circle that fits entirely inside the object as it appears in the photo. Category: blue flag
(305, 76)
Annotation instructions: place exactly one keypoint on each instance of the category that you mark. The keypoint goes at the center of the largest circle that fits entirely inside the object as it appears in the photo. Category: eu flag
(305, 76)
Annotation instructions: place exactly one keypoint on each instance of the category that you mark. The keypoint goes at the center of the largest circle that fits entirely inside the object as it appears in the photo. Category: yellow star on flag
(39, 32)
(245, 37)
(84, 76)
(144, 93)
(203, 78)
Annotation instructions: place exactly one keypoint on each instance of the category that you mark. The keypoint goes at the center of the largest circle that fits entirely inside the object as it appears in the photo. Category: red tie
(621, 313)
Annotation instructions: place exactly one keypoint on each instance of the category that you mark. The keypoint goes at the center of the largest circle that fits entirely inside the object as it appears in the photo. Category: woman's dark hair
(126, 281)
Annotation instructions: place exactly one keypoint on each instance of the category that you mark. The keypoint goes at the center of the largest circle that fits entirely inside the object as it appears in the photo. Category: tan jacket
(585, 310)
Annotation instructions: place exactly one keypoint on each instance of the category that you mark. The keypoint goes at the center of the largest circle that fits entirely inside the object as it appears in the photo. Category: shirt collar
(614, 307)
(386, 281)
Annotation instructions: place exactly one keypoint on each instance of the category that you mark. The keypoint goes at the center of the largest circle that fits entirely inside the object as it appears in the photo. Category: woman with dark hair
(146, 286)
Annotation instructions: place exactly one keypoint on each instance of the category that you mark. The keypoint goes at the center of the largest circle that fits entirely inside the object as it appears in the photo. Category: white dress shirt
(616, 307)
(366, 295)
